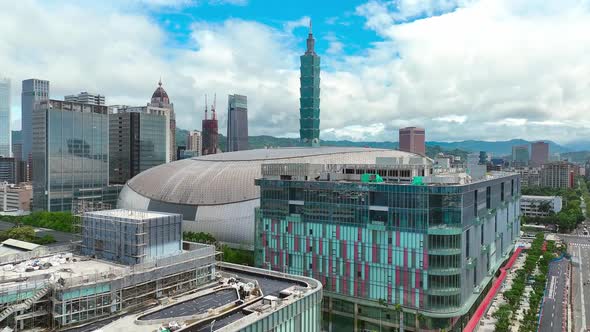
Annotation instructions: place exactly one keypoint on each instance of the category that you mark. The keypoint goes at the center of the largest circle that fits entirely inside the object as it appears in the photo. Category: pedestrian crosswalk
(581, 245)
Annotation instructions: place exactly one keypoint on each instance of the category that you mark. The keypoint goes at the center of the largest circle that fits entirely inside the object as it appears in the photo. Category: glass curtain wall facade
(309, 112)
(137, 143)
(70, 152)
(33, 92)
(5, 132)
(430, 249)
(237, 123)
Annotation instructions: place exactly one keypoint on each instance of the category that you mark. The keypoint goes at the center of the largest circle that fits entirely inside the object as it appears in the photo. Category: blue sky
(463, 69)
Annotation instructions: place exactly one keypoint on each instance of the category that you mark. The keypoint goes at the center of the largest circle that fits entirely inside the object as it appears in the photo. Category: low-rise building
(540, 206)
(61, 287)
(15, 198)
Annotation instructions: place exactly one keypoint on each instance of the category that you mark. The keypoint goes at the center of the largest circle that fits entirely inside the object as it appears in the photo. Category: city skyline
(374, 69)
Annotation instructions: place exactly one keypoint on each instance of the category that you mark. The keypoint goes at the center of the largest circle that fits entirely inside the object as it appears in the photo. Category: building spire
(160, 81)
(310, 41)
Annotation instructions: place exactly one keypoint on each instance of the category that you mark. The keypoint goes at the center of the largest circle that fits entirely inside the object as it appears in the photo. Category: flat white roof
(531, 197)
(130, 214)
(20, 244)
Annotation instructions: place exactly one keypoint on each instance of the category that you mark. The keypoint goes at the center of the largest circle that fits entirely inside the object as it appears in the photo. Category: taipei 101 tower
(309, 112)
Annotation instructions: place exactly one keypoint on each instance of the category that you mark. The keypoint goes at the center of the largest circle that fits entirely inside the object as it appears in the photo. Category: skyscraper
(5, 133)
(237, 123)
(309, 112)
(194, 142)
(34, 91)
(520, 155)
(539, 153)
(210, 132)
(70, 153)
(412, 139)
(137, 142)
(161, 103)
(86, 98)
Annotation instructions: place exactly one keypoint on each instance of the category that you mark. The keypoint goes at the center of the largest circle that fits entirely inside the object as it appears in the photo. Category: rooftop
(130, 214)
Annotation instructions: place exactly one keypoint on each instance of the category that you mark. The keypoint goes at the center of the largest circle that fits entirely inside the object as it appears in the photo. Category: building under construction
(210, 131)
(125, 261)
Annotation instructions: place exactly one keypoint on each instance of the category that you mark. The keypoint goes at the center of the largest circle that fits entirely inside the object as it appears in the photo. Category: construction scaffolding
(81, 206)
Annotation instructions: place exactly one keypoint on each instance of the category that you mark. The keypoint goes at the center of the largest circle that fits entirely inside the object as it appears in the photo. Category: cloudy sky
(464, 69)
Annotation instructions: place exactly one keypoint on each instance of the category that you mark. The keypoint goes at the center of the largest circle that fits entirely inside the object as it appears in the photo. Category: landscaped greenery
(533, 272)
(59, 221)
(230, 255)
(25, 233)
(571, 214)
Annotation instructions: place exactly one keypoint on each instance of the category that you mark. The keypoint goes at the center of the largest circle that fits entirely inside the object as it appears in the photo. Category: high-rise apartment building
(5, 120)
(237, 123)
(376, 236)
(520, 155)
(210, 131)
(557, 174)
(539, 153)
(34, 91)
(86, 98)
(412, 139)
(309, 112)
(70, 153)
(194, 143)
(160, 103)
(137, 142)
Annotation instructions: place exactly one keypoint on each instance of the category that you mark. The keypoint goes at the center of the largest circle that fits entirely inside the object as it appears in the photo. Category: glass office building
(309, 101)
(430, 244)
(5, 132)
(137, 143)
(70, 152)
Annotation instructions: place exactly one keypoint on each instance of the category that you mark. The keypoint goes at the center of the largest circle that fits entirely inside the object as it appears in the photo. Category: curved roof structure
(229, 177)
(160, 95)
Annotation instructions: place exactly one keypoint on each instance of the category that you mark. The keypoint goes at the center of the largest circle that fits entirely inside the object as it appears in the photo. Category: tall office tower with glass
(309, 112)
(137, 141)
(5, 132)
(377, 237)
(237, 123)
(34, 91)
(70, 153)
(520, 155)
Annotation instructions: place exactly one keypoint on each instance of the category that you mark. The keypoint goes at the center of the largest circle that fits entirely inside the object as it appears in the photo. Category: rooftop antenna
(205, 106)
(310, 30)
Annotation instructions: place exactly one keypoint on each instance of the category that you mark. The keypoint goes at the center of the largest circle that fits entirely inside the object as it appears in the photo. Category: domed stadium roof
(229, 177)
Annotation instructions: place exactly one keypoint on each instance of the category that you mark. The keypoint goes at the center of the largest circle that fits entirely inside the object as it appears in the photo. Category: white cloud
(487, 69)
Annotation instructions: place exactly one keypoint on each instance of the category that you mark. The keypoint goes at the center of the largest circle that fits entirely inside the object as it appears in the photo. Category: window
(488, 197)
(310, 231)
(475, 203)
(502, 192)
(512, 187)
(467, 244)
(482, 236)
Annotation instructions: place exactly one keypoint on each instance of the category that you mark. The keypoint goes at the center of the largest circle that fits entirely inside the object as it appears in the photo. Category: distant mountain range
(496, 148)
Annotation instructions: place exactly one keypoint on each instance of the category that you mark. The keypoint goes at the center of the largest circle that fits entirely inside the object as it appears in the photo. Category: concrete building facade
(557, 174)
(539, 153)
(5, 119)
(540, 206)
(86, 98)
(194, 143)
(160, 104)
(70, 153)
(431, 245)
(15, 197)
(237, 123)
(412, 139)
(210, 133)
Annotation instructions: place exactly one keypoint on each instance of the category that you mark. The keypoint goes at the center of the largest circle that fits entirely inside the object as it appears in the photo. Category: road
(579, 248)
(554, 302)
(195, 306)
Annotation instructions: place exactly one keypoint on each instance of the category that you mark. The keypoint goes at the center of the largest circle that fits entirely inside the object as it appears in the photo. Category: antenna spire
(205, 106)
(310, 29)
(160, 81)
(310, 41)
(214, 106)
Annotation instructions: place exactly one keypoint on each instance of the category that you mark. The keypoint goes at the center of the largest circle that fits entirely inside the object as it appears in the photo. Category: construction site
(126, 260)
(131, 271)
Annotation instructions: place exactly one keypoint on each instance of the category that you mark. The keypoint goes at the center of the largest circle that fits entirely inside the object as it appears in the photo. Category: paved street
(553, 305)
(579, 248)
